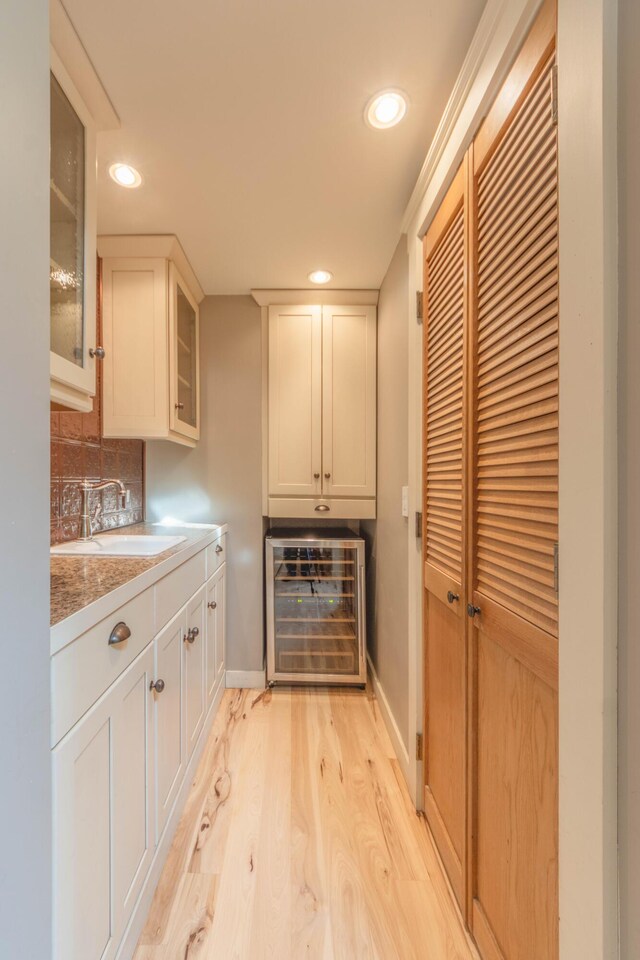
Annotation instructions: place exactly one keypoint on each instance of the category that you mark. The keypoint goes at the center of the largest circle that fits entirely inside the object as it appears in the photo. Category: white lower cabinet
(103, 838)
(194, 669)
(168, 724)
(215, 630)
(120, 771)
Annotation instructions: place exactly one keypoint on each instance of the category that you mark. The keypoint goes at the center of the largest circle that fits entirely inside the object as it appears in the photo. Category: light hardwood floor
(299, 840)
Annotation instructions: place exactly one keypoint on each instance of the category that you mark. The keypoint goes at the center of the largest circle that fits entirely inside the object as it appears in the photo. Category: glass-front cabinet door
(72, 255)
(184, 360)
(315, 608)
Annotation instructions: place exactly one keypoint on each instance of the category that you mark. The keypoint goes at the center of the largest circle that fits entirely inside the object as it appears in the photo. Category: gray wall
(629, 447)
(221, 479)
(387, 590)
(25, 797)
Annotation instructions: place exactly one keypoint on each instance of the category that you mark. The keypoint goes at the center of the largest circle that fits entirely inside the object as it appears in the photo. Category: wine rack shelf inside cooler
(315, 603)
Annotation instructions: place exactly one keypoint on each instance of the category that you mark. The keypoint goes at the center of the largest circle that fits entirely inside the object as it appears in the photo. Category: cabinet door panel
(135, 386)
(72, 275)
(295, 401)
(349, 401)
(83, 922)
(194, 669)
(215, 631)
(184, 398)
(168, 712)
(134, 840)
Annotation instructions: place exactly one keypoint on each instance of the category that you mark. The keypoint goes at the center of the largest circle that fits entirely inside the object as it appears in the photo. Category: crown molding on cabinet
(160, 245)
(68, 46)
(312, 297)
(501, 30)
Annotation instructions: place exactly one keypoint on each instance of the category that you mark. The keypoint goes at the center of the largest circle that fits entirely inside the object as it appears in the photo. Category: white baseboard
(141, 910)
(245, 679)
(390, 722)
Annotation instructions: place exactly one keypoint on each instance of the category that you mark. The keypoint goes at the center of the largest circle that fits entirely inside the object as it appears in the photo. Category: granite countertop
(79, 581)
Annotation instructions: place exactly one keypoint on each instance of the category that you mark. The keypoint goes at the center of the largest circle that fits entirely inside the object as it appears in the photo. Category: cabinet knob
(212, 604)
(316, 476)
(472, 611)
(97, 353)
(119, 634)
(157, 685)
(451, 596)
(179, 406)
(322, 508)
(327, 476)
(218, 549)
(191, 635)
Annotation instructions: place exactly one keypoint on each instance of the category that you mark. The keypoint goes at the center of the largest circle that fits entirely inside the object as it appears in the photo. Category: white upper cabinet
(322, 411)
(72, 256)
(150, 297)
(295, 401)
(349, 401)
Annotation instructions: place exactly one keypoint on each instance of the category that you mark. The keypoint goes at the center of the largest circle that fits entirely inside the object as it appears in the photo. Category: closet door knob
(158, 686)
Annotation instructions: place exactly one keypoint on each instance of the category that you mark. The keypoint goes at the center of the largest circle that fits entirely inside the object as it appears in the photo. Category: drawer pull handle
(157, 685)
(322, 508)
(218, 549)
(119, 634)
(212, 604)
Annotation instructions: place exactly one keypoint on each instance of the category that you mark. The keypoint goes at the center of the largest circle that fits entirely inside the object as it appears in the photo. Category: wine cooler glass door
(316, 611)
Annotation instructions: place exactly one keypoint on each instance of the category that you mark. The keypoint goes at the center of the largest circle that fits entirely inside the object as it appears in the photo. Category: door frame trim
(587, 57)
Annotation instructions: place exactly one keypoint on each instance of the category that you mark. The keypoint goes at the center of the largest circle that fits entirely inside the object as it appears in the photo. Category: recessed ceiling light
(125, 175)
(386, 109)
(320, 276)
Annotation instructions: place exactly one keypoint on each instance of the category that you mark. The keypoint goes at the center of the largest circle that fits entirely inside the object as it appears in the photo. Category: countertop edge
(67, 630)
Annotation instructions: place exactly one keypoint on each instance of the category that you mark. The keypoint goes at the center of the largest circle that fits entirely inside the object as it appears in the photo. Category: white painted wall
(387, 598)
(629, 489)
(25, 794)
(220, 480)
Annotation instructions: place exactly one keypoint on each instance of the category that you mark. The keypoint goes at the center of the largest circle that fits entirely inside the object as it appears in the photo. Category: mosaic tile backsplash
(79, 450)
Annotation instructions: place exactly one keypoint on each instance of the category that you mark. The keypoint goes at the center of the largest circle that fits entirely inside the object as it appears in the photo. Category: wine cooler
(315, 606)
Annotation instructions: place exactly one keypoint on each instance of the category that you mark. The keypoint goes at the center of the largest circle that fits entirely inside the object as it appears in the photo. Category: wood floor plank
(299, 841)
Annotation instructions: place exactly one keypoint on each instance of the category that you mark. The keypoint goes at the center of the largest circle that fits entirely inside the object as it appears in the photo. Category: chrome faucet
(86, 520)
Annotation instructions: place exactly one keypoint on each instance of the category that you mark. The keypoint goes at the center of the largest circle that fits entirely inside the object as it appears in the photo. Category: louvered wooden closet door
(445, 659)
(515, 512)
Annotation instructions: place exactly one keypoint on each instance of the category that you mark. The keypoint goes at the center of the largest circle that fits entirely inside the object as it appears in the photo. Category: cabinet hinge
(554, 94)
(556, 569)
(419, 306)
(418, 525)
(419, 746)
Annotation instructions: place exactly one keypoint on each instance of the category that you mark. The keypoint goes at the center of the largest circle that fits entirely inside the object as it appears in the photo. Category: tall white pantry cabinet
(322, 412)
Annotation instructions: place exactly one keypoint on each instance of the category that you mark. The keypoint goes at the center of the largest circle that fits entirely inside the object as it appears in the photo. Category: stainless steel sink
(117, 545)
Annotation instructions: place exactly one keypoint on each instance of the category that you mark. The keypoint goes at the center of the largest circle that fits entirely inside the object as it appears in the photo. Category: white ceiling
(245, 119)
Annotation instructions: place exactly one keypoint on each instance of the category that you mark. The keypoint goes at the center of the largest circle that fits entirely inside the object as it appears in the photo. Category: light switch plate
(405, 501)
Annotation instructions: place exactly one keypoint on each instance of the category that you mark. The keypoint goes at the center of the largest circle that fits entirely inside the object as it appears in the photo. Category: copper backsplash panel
(79, 450)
